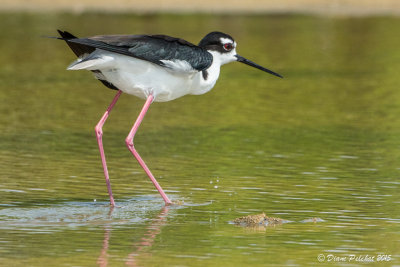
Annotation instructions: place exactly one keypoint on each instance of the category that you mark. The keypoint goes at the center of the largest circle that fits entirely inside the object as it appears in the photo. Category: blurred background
(321, 143)
(353, 7)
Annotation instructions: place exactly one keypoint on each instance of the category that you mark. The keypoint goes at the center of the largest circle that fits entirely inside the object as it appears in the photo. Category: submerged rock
(258, 220)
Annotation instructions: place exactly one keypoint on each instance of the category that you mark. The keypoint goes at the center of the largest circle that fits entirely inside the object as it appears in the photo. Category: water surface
(323, 142)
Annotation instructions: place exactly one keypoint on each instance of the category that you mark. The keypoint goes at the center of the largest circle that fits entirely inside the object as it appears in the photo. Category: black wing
(152, 48)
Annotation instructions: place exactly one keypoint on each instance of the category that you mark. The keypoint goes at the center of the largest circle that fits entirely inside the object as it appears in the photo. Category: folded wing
(169, 52)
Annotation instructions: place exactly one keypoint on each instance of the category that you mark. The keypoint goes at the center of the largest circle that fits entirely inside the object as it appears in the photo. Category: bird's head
(223, 46)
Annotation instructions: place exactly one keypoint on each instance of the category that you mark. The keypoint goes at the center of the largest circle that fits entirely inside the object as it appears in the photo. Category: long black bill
(251, 63)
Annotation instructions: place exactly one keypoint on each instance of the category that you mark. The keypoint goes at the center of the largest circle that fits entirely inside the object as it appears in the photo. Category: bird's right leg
(99, 136)
(131, 147)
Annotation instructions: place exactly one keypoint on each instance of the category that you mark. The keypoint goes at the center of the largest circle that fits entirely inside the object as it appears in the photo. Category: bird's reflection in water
(148, 239)
(102, 261)
(140, 247)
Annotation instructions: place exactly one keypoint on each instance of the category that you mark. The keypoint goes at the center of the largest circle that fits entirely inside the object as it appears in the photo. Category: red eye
(228, 46)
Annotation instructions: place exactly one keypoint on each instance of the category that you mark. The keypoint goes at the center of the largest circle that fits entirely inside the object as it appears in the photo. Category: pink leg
(99, 136)
(129, 143)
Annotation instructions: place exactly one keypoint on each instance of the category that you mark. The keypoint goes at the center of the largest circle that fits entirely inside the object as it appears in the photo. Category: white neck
(205, 83)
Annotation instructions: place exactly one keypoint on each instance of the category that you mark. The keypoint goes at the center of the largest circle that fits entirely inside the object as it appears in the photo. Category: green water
(323, 142)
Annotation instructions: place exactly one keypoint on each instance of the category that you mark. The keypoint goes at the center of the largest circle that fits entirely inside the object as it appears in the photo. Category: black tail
(66, 35)
(78, 49)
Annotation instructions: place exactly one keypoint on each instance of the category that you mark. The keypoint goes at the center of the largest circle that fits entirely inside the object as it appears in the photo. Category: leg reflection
(140, 247)
(148, 239)
(102, 260)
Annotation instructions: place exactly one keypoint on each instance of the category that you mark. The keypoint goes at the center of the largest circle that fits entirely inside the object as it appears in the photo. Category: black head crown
(217, 41)
(225, 47)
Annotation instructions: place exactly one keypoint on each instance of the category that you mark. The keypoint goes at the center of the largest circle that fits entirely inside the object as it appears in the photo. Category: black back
(152, 48)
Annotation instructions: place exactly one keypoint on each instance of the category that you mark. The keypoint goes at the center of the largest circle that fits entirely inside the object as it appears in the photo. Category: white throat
(206, 79)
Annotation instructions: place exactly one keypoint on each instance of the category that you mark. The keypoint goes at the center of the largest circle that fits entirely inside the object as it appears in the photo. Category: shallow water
(323, 142)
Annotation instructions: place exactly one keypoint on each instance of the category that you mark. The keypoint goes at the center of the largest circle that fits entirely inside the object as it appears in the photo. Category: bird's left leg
(131, 147)
(99, 136)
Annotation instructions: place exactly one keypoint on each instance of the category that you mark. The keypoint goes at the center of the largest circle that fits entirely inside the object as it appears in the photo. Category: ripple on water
(73, 214)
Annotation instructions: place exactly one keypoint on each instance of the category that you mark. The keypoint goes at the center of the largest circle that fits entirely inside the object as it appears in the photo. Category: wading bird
(152, 67)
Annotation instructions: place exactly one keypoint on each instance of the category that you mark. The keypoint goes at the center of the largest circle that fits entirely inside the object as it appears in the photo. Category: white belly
(142, 78)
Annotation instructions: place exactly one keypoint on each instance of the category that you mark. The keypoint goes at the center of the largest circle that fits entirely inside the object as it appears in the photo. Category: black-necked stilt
(152, 67)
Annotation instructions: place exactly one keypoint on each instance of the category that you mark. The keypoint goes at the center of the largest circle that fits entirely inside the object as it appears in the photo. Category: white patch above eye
(227, 41)
(178, 65)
